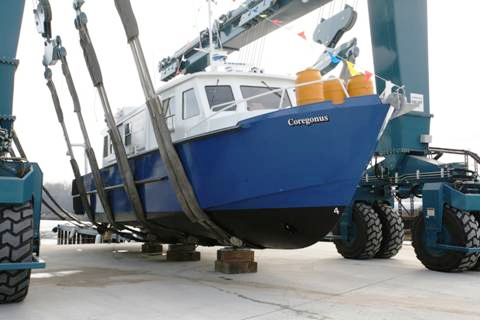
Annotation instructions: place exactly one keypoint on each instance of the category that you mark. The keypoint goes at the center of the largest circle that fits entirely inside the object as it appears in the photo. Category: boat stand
(182, 253)
(152, 248)
(235, 261)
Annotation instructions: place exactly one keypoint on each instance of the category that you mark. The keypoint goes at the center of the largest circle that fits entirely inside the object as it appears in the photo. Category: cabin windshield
(220, 97)
(266, 100)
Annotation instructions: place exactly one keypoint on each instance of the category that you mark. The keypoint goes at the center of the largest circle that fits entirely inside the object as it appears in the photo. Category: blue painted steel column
(11, 12)
(399, 37)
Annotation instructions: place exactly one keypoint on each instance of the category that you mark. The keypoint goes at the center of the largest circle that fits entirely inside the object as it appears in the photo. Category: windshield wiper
(272, 89)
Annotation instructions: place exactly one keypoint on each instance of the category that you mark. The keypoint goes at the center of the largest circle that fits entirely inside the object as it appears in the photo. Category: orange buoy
(360, 85)
(333, 91)
(312, 93)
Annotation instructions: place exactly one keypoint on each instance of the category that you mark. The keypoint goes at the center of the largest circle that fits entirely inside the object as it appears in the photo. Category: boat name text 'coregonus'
(308, 121)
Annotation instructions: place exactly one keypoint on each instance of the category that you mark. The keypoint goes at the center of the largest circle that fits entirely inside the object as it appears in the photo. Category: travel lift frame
(410, 167)
(20, 180)
(404, 145)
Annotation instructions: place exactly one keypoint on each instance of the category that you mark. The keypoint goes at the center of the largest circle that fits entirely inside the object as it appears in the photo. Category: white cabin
(202, 103)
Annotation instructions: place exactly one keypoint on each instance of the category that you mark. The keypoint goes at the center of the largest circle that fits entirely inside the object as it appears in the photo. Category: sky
(167, 25)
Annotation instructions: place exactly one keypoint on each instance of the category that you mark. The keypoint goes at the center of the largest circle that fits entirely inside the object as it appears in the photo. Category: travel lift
(446, 235)
(443, 235)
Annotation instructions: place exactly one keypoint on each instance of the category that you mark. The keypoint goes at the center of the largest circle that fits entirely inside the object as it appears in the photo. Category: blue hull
(281, 174)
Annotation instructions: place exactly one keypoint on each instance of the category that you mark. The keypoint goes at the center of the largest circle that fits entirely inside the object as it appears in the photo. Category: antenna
(211, 45)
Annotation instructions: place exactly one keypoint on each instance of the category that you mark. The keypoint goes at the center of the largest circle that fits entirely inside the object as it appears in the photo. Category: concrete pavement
(118, 282)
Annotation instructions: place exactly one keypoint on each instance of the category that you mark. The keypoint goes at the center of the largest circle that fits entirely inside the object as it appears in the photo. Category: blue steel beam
(11, 12)
(35, 264)
(250, 21)
(20, 182)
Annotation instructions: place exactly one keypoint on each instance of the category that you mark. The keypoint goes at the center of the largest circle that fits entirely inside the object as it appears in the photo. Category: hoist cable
(54, 212)
(63, 210)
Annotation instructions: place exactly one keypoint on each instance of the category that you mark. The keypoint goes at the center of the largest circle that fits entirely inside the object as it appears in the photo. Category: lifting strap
(175, 170)
(53, 51)
(94, 167)
(119, 150)
(73, 162)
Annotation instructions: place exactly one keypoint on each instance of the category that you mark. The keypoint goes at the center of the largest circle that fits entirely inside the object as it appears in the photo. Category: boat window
(168, 110)
(267, 101)
(106, 146)
(111, 147)
(220, 97)
(127, 135)
(190, 105)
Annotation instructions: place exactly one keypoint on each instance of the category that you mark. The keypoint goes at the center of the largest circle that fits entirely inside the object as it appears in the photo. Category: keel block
(152, 248)
(182, 253)
(235, 261)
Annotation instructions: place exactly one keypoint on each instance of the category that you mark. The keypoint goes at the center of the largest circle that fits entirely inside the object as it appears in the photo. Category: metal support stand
(176, 173)
(235, 261)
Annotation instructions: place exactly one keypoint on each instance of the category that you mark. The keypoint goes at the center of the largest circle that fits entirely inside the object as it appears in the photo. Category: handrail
(244, 100)
(469, 153)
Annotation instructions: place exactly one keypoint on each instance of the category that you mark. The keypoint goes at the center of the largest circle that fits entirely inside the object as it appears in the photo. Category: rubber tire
(392, 231)
(476, 266)
(16, 237)
(464, 231)
(369, 234)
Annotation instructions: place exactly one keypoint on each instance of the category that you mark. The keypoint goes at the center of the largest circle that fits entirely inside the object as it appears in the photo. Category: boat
(268, 171)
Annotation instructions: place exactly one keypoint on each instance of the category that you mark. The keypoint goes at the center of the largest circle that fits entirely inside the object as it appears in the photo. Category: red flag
(302, 34)
(368, 75)
(276, 22)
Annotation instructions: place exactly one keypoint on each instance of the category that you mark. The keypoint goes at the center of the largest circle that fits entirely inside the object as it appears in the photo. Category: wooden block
(235, 255)
(235, 267)
(182, 247)
(183, 256)
(151, 247)
(235, 261)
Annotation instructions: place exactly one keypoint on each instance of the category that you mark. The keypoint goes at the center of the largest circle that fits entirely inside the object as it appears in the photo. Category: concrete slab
(119, 282)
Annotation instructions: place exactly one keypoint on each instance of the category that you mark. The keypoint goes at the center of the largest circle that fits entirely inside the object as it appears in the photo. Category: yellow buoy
(360, 85)
(312, 93)
(333, 91)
